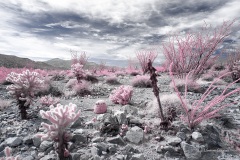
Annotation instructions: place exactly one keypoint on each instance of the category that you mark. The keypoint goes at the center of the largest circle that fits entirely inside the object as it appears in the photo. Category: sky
(105, 29)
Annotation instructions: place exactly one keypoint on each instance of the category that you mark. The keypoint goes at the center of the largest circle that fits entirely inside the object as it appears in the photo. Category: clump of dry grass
(4, 104)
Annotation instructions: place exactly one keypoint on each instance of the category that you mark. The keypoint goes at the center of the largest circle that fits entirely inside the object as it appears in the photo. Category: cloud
(106, 28)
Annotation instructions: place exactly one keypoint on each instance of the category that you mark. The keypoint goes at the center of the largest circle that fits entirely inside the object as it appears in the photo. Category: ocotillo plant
(61, 117)
(24, 87)
(200, 110)
(153, 78)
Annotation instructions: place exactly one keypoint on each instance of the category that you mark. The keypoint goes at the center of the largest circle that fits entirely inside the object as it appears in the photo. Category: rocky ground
(214, 139)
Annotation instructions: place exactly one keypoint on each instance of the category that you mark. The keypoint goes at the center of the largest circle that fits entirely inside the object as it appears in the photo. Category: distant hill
(11, 61)
(65, 64)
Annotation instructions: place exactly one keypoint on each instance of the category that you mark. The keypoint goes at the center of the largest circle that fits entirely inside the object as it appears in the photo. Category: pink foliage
(195, 51)
(81, 59)
(143, 58)
(200, 111)
(78, 71)
(100, 107)
(121, 95)
(49, 100)
(82, 88)
(60, 117)
(24, 85)
(7, 152)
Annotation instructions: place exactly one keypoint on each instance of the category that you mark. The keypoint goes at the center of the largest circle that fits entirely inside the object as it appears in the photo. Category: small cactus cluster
(121, 95)
(24, 86)
(78, 71)
(7, 152)
(61, 117)
(100, 107)
(235, 71)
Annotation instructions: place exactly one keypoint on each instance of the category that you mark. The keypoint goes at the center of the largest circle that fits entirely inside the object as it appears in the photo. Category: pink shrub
(121, 95)
(48, 100)
(82, 88)
(160, 69)
(24, 87)
(193, 86)
(7, 152)
(100, 107)
(143, 58)
(60, 117)
(78, 71)
(194, 52)
(141, 81)
(200, 110)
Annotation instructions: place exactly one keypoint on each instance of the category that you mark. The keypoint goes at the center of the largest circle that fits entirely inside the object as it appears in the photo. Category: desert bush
(61, 117)
(48, 100)
(193, 86)
(121, 95)
(194, 51)
(78, 71)
(200, 110)
(91, 78)
(24, 87)
(143, 58)
(82, 88)
(142, 81)
(112, 80)
(71, 83)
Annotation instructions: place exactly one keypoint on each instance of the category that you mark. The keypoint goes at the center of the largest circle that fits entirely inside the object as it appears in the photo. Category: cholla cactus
(100, 107)
(49, 100)
(24, 87)
(78, 71)
(122, 95)
(7, 152)
(61, 117)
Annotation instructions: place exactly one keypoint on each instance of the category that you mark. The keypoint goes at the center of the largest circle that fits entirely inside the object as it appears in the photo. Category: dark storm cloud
(50, 23)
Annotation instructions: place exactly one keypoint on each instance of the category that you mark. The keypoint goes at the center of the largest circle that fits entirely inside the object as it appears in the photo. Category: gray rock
(29, 158)
(77, 138)
(96, 157)
(97, 139)
(49, 157)
(36, 141)
(121, 117)
(135, 135)
(75, 156)
(28, 140)
(197, 136)
(13, 141)
(174, 141)
(120, 157)
(102, 146)
(138, 157)
(116, 140)
(211, 135)
(112, 148)
(181, 135)
(130, 109)
(77, 123)
(45, 145)
(164, 149)
(95, 151)
(190, 152)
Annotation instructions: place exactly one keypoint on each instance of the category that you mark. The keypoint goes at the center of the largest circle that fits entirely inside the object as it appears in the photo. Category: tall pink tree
(144, 57)
(193, 51)
(81, 59)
